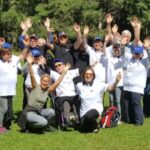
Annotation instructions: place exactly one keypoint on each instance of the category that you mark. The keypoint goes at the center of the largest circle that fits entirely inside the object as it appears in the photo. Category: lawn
(123, 137)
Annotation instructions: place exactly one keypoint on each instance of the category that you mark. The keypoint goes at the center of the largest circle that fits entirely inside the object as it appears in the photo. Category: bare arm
(55, 84)
(49, 30)
(23, 54)
(78, 42)
(30, 61)
(136, 24)
(109, 20)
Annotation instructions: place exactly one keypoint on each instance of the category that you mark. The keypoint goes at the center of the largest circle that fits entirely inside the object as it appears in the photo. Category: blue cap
(98, 38)
(6, 45)
(137, 49)
(62, 34)
(58, 60)
(36, 52)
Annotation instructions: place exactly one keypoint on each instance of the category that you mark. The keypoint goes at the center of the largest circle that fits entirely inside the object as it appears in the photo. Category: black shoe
(50, 129)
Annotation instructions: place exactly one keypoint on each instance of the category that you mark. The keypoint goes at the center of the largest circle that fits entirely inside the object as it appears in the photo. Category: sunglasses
(58, 65)
(90, 74)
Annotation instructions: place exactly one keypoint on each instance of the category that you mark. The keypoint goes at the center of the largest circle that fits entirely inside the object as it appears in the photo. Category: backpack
(110, 117)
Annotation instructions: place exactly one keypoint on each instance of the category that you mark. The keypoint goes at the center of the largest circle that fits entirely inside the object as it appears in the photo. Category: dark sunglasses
(58, 65)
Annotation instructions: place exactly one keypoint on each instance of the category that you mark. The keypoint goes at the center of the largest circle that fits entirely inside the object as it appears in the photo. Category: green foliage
(64, 13)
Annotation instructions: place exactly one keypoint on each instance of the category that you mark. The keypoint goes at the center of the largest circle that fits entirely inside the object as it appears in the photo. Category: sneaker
(119, 122)
(96, 130)
(3, 130)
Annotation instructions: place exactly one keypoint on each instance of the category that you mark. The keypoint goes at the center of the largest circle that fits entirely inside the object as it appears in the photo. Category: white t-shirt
(66, 87)
(115, 66)
(135, 72)
(91, 96)
(101, 65)
(8, 76)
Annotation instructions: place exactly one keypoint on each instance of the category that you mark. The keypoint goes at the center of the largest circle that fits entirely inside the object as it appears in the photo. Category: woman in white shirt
(90, 91)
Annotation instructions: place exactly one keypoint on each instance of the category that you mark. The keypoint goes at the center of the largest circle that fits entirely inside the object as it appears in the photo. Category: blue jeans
(115, 98)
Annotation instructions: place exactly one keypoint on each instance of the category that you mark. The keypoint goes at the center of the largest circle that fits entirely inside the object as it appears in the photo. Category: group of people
(75, 77)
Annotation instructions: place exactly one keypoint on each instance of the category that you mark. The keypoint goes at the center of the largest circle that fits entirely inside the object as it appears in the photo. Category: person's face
(88, 76)
(41, 42)
(97, 45)
(127, 38)
(33, 42)
(137, 56)
(45, 82)
(59, 66)
(117, 50)
(63, 39)
(7, 57)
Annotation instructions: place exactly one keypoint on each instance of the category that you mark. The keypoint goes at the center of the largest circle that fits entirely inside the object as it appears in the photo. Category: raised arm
(30, 60)
(49, 32)
(55, 84)
(136, 24)
(78, 42)
(109, 20)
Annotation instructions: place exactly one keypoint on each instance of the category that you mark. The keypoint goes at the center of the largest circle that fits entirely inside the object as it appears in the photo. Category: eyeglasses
(58, 65)
(90, 74)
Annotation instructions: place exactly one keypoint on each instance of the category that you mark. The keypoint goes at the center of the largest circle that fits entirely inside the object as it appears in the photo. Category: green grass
(123, 137)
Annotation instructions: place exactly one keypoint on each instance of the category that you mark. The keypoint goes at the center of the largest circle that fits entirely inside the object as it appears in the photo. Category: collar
(88, 84)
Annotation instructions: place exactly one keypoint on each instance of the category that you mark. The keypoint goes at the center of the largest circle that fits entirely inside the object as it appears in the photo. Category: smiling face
(97, 44)
(45, 81)
(88, 76)
(116, 50)
(63, 39)
(59, 66)
(6, 56)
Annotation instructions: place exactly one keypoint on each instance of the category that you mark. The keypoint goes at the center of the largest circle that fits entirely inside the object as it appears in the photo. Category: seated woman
(90, 91)
(34, 116)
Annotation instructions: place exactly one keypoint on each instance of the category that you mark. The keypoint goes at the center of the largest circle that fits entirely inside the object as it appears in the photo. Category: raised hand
(86, 30)
(30, 59)
(109, 18)
(115, 29)
(76, 27)
(23, 25)
(47, 23)
(67, 67)
(28, 23)
(135, 22)
(41, 60)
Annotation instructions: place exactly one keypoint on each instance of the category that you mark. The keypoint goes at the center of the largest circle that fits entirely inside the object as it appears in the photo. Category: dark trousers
(133, 108)
(89, 121)
(62, 109)
(146, 99)
(9, 114)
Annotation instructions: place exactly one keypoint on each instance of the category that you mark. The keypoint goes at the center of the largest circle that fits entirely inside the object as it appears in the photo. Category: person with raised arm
(34, 116)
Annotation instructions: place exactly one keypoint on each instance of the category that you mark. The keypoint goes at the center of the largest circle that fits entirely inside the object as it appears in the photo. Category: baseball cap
(33, 36)
(62, 34)
(137, 49)
(98, 38)
(58, 60)
(6, 45)
(36, 52)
